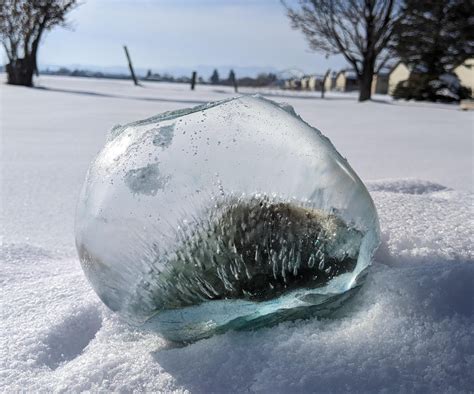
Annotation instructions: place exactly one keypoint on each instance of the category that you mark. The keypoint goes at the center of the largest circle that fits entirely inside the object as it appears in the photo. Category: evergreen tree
(232, 80)
(231, 77)
(434, 37)
(214, 77)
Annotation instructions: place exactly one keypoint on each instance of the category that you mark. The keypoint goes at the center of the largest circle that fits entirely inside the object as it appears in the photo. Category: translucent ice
(231, 215)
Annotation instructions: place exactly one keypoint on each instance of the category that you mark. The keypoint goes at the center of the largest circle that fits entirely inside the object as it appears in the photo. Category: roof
(385, 70)
(400, 62)
(349, 73)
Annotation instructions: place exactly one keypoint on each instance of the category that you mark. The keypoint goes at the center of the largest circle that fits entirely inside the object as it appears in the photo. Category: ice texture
(232, 215)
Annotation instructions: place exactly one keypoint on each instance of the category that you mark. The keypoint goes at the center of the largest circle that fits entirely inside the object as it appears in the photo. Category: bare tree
(360, 30)
(22, 26)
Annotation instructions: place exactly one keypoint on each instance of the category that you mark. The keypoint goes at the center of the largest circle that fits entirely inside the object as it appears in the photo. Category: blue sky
(165, 34)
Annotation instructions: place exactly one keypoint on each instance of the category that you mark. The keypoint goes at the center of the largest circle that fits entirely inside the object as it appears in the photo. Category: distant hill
(204, 71)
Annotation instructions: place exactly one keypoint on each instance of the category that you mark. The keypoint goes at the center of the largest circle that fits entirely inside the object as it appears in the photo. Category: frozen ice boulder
(230, 215)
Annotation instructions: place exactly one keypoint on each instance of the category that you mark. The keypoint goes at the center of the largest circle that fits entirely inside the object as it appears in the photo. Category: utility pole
(130, 65)
(193, 80)
(323, 87)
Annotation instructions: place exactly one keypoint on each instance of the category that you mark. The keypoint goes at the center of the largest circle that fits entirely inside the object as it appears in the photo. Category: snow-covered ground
(411, 328)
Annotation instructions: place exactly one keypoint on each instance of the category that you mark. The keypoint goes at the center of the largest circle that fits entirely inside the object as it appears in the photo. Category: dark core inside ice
(256, 251)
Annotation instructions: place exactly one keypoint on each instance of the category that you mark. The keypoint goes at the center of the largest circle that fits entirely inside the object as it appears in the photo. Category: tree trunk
(365, 88)
(365, 80)
(20, 72)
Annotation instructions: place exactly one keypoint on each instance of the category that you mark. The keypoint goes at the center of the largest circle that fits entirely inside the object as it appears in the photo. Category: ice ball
(232, 215)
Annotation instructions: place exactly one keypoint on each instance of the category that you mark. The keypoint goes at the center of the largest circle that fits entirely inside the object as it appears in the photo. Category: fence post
(193, 80)
(130, 65)
(234, 82)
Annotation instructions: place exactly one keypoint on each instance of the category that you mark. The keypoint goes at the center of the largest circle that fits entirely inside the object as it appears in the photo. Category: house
(329, 81)
(346, 81)
(399, 72)
(305, 83)
(380, 81)
(315, 82)
(465, 73)
(292, 84)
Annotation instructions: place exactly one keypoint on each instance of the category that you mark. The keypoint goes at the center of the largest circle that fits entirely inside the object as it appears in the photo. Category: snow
(410, 328)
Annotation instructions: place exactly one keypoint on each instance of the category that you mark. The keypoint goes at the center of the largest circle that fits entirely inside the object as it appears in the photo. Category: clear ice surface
(232, 215)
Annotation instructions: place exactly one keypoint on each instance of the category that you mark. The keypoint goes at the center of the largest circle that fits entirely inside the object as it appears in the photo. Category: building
(312, 82)
(399, 72)
(293, 84)
(380, 82)
(465, 73)
(305, 83)
(315, 82)
(329, 81)
(346, 81)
